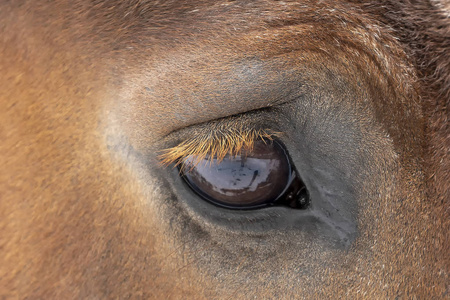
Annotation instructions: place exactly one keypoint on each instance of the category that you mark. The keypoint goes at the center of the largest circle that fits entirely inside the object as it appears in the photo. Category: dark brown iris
(253, 179)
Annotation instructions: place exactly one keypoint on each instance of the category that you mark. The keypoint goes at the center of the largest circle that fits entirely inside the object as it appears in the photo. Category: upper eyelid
(224, 136)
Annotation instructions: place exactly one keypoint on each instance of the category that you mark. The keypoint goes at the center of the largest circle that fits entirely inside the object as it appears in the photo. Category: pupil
(252, 179)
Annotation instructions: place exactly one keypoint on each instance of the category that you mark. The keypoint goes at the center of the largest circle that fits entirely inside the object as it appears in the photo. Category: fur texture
(93, 91)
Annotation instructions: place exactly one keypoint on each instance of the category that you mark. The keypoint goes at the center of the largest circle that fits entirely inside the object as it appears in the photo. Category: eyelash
(216, 144)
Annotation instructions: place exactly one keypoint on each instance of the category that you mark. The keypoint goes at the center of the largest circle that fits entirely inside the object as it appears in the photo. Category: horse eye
(261, 177)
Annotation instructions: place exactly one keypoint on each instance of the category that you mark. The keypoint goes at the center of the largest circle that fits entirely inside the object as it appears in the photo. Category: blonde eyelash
(215, 144)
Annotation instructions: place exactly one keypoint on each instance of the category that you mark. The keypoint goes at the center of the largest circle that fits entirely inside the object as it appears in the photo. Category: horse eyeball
(254, 179)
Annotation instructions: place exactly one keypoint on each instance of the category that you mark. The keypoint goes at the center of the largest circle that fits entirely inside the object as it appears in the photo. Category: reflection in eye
(262, 176)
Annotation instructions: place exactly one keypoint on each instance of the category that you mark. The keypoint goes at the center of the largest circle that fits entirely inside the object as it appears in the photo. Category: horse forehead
(196, 62)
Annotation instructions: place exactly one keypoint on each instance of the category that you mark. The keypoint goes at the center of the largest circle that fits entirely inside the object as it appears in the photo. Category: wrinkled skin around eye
(253, 179)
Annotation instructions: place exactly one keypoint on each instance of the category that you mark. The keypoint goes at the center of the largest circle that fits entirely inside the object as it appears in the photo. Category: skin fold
(94, 92)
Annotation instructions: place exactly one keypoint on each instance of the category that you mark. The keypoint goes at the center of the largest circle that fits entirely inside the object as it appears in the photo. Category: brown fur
(93, 91)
